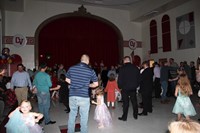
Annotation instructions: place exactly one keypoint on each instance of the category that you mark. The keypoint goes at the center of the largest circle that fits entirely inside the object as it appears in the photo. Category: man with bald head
(80, 77)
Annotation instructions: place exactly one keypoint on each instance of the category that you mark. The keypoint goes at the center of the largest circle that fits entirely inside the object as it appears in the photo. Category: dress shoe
(50, 122)
(67, 110)
(142, 114)
(120, 118)
(135, 116)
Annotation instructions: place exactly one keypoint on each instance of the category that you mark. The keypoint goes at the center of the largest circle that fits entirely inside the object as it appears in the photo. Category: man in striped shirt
(80, 77)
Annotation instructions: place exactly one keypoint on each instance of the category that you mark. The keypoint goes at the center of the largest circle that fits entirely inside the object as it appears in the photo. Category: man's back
(80, 76)
(128, 77)
(42, 81)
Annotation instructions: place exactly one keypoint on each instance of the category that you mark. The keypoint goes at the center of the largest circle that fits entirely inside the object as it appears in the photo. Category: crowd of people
(83, 84)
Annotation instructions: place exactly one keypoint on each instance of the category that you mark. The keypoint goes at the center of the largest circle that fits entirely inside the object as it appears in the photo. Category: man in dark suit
(128, 81)
(146, 87)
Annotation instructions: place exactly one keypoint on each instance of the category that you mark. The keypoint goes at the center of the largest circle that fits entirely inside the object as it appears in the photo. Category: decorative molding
(31, 41)
(126, 44)
(9, 40)
(82, 10)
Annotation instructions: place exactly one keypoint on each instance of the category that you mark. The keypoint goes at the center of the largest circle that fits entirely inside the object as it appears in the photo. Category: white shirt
(156, 71)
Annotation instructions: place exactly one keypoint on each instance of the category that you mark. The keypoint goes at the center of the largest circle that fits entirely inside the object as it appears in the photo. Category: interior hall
(53, 36)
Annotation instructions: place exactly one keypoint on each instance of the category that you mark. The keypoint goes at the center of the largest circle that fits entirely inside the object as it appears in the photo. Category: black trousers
(157, 87)
(126, 95)
(65, 100)
(147, 102)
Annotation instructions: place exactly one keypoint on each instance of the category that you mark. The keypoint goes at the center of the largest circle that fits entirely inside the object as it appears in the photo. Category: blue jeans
(44, 104)
(84, 105)
(164, 85)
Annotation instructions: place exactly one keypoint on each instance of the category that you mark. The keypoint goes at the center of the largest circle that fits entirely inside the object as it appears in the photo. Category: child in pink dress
(111, 87)
(102, 114)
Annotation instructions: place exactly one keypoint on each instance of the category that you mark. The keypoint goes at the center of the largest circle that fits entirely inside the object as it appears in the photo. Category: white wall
(36, 12)
(179, 55)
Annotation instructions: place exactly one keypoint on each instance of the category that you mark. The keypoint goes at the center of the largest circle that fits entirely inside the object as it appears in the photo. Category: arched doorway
(65, 37)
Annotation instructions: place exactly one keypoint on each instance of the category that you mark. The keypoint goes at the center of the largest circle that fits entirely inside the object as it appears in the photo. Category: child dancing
(111, 87)
(183, 103)
(102, 114)
(23, 121)
(62, 86)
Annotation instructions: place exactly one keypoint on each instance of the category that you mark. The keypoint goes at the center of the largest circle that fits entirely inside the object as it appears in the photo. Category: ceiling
(140, 10)
(117, 4)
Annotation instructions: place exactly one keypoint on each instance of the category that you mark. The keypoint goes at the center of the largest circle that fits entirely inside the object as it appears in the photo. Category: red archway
(64, 38)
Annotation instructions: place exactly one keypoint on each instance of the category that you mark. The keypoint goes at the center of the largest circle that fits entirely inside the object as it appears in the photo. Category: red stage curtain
(64, 40)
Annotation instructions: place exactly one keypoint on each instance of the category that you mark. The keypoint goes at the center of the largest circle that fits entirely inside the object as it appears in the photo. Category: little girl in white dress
(23, 121)
(102, 114)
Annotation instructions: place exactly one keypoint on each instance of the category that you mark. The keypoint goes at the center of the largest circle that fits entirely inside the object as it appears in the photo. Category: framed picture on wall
(185, 28)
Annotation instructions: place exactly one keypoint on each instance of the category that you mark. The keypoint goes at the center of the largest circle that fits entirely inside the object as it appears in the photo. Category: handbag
(118, 95)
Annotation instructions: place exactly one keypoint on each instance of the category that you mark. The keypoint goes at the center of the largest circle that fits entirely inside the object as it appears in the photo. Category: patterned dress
(102, 114)
(184, 105)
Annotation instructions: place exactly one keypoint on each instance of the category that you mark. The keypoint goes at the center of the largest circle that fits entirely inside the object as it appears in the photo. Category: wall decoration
(185, 31)
(9, 62)
(6, 58)
(19, 40)
(132, 43)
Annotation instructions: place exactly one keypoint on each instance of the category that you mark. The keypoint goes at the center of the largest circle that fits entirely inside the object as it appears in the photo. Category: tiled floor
(155, 122)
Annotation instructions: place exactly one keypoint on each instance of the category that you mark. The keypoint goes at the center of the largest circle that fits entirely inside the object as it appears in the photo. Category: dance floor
(155, 122)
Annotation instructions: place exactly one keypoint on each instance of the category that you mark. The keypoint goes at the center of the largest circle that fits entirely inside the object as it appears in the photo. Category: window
(166, 36)
(153, 37)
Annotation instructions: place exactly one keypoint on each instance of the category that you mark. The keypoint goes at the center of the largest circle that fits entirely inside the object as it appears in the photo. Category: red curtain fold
(64, 40)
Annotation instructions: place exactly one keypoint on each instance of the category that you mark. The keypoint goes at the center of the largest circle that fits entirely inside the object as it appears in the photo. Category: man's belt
(20, 86)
